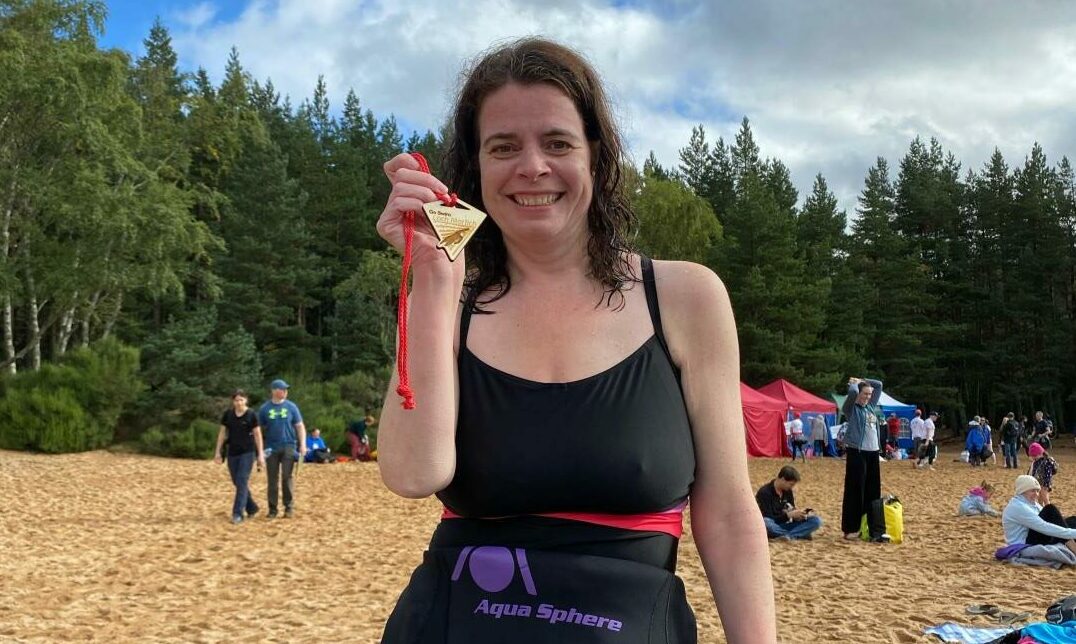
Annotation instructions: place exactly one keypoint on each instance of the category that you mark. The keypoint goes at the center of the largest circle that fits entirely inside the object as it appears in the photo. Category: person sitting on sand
(316, 449)
(1043, 468)
(779, 512)
(977, 502)
(1026, 521)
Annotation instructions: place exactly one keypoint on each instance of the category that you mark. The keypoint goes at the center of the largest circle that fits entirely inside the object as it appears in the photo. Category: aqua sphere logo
(493, 568)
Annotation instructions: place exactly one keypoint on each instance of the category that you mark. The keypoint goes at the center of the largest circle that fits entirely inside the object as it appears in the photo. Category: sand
(126, 548)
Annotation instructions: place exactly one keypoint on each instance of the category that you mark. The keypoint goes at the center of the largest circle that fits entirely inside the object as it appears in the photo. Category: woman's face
(535, 163)
(239, 401)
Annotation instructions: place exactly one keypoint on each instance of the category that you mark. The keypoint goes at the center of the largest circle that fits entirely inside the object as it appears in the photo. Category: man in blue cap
(285, 435)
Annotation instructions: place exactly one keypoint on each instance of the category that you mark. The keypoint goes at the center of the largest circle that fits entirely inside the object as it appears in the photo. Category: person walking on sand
(1010, 440)
(930, 448)
(284, 434)
(798, 441)
(818, 434)
(862, 476)
(239, 426)
(919, 431)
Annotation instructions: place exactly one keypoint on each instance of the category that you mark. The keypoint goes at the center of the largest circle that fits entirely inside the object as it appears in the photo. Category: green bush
(47, 421)
(198, 440)
(71, 406)
(152, 441)
(109, 379)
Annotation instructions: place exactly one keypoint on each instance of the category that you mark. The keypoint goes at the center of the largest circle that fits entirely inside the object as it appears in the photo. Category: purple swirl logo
(492, 568)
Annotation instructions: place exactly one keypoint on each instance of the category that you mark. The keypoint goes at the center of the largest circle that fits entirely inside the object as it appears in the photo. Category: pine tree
(779, 310)
(653, 169)
(722, 192)
(745, 154)
(269, 272)
(696, 164)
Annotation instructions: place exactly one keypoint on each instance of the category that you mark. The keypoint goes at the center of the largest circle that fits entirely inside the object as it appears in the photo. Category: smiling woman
(572, 536)
(536, 166)
(583, 129)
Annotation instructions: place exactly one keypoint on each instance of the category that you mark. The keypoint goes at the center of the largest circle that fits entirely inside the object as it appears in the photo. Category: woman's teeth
(535, 200)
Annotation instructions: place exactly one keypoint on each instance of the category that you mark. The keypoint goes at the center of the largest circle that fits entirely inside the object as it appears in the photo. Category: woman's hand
(411, 187)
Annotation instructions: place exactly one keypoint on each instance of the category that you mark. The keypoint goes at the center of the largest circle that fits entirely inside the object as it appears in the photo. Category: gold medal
(454, 226)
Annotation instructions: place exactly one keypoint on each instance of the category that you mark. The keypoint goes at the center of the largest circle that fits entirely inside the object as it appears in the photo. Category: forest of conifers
(165, 240)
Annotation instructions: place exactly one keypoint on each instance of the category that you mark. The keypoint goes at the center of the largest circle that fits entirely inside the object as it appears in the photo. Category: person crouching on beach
(977, 502)
(977, 444)
(239, 425)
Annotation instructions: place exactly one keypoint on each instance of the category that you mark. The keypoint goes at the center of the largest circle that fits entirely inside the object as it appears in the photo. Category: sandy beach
(124, 548)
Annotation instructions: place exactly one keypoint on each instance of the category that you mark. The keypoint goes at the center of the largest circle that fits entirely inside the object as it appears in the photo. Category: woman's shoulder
(695, 311)
(688, 286)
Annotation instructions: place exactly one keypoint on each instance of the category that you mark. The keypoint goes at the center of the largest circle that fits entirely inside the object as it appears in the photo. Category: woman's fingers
(404, 169)
(419, 178)
(399, 162)
(425, 194)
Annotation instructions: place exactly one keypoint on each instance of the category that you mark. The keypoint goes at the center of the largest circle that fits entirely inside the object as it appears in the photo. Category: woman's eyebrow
(509, 136)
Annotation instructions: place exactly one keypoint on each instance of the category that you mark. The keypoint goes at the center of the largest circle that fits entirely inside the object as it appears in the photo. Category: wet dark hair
(789, 473)
(610, 220)
(240, 392)
(864, 385)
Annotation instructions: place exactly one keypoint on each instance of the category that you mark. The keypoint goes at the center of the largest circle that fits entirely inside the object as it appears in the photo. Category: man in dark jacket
(1011, 433)
(778, 506)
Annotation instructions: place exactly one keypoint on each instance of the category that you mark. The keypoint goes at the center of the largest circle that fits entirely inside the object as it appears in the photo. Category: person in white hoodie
(1025, 521)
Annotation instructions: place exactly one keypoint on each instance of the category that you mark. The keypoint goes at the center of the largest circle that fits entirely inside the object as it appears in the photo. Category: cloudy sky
(828, 85)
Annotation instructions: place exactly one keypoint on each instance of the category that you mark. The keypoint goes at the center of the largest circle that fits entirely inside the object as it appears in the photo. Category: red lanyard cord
(404, 389)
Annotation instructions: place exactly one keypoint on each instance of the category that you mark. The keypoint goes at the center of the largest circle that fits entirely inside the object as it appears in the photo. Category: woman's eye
(503, 148)
(560, 145)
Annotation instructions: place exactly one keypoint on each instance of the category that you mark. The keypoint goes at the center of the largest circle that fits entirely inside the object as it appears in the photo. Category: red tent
(764, 423)
(798, 399)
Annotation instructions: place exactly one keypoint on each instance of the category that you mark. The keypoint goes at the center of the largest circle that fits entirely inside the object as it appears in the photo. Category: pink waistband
(669, 521)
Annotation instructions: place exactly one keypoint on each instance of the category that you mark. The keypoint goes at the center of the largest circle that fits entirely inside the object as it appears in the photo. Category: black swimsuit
(596, 454)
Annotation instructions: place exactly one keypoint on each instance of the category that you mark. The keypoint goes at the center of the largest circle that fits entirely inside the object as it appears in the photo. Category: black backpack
(876, 519)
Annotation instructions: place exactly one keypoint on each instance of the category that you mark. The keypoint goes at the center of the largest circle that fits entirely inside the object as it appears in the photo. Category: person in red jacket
(893, 428)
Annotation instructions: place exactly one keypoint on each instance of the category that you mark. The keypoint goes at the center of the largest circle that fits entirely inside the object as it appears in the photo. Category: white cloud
(829, 86)
(196, 16)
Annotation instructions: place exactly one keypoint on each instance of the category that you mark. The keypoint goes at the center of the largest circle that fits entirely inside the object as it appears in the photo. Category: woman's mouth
(533, 200)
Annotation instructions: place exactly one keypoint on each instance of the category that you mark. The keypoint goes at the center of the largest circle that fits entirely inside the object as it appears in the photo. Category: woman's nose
(532, 163)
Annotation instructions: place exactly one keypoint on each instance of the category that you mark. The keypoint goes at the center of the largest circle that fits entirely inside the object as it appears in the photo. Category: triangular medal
(454, 226)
